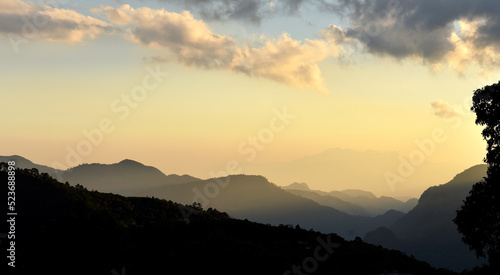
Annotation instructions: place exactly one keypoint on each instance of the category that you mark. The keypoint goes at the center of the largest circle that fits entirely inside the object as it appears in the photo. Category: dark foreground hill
(62, 229)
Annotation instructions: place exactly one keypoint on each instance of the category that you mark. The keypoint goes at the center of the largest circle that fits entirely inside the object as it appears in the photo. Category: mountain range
(426, 231)
(351, 169)
(352, 201)
(127, 177)
(241, 196)
(68, 229)
(256, 199)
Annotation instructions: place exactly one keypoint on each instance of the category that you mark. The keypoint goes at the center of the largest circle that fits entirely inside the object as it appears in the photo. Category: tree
(198, 206)
(80, 187)
(478, 220)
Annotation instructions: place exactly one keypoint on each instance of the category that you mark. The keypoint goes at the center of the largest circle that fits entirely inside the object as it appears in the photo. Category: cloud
(191, 42)
(333, 34)
(224, 10)
(453, 33)
(416, 29)
(31, 21)
(157, 59)
(286, 60)
(457, 33)
(253, 11)
(13, 6)
(444, 110)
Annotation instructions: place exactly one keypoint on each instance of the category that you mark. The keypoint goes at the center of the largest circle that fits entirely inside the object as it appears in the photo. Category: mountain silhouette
(428, 231)
(352, 201)
(331, 201)
(247, 197)
(100, 233)
(302, 186)
(351, 169)
(127, 177)
(24, 163)
(353, 193)
(256, 199)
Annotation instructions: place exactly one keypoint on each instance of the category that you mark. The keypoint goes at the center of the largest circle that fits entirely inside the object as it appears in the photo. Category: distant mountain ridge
(298, 186)
(255, 198)
(247, 197)
(352, 169)
(352, 201)
(129, 177)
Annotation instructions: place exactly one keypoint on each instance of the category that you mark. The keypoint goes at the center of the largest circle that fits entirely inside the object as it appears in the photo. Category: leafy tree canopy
(479, 218)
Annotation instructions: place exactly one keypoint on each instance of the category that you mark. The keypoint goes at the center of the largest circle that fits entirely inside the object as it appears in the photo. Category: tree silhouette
(478, 220)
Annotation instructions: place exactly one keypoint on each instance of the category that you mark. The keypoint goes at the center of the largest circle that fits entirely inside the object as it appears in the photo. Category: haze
(255, 87)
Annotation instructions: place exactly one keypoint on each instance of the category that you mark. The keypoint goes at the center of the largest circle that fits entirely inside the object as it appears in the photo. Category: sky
(188, 85)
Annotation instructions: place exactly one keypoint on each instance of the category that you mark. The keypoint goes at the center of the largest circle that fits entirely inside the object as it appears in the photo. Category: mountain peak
(358, 193)
(130, 162)
(298, 186)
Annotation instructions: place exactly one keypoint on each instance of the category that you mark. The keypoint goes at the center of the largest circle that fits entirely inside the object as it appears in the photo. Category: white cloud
(30, 21)
(286, 60)
(444, 110)
(467, 51)
(192, 43)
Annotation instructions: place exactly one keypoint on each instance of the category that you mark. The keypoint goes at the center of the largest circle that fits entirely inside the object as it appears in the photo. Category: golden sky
(182, 85)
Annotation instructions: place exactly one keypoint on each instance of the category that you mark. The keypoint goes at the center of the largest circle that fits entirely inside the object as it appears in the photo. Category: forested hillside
(69, 230)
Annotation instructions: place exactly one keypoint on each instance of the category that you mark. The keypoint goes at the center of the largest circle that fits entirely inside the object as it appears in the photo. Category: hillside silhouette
(428, 231)
(65, 229)
(127, 177)
(247, 197)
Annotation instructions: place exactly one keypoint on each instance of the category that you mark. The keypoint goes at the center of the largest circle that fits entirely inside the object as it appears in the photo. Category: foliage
(479, 218)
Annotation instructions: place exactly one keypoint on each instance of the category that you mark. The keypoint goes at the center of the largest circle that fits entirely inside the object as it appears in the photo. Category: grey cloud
(419, 27)
(399, 41)
(223, 10)
(253, 11)
(11, 23)
(398, 28)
